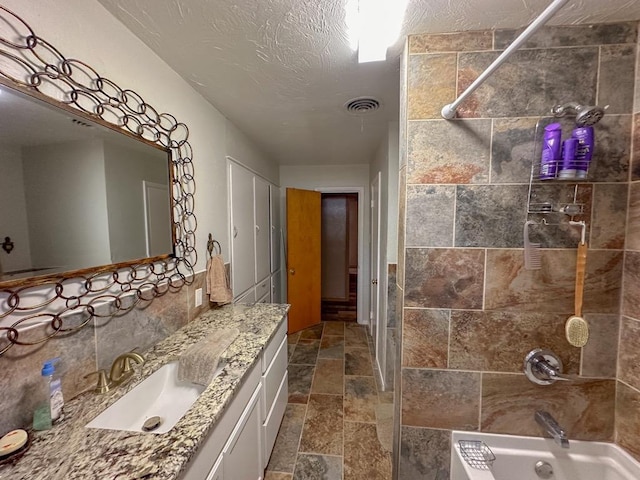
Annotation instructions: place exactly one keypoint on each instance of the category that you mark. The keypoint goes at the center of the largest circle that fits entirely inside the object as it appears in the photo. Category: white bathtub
(516, 458)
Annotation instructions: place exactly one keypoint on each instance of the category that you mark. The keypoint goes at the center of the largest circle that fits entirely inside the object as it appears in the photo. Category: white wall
(240, 148)
(311, 177)
(85, 30)
(69, 177)
(334, 177)
(125, 170)
(392, 195)
(386, 162)
(13, 221)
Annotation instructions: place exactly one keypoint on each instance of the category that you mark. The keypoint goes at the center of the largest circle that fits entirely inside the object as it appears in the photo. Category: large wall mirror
(76, 194)
(96, 193)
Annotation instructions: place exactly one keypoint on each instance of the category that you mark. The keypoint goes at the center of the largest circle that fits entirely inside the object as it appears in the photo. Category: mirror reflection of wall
(73, 193)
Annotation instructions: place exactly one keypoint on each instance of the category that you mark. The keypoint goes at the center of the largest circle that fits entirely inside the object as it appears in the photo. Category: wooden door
(303, 258)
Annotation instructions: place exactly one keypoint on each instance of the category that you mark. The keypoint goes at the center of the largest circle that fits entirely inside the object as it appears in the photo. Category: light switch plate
(198, 297)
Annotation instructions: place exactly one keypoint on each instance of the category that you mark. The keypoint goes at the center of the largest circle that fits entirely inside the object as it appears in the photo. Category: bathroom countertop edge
(70, 450)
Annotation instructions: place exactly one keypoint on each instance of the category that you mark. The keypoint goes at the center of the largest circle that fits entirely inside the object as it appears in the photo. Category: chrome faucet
(552, 428)
(543, 367)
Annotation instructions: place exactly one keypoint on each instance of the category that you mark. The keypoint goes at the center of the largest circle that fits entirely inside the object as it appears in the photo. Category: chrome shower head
(586, 115)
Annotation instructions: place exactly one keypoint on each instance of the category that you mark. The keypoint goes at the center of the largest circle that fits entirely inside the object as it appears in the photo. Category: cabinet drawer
(274, 419)
(273, 376)
(248, 297)
(262, 288)
(273, 346)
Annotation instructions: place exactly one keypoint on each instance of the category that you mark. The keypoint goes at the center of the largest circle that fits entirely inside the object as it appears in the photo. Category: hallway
(336, 417)
(342, 311)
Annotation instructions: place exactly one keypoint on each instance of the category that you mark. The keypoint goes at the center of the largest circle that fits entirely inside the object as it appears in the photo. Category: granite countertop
(72, 451)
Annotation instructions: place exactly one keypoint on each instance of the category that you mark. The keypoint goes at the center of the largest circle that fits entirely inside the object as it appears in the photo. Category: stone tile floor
(329, 431)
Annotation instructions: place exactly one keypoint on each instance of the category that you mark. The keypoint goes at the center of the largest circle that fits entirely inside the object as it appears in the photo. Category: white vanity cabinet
(275, 389)
(230, 435)
(240, 444)
(242, 455)
(216, 472)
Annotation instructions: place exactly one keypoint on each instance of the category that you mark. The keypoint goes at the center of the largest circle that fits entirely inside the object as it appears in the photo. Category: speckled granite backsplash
(72, 451)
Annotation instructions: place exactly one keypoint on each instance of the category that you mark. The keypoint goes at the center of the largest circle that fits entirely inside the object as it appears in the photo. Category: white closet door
(262, 229)
(243, 256)
(275, 228)
(276, 287)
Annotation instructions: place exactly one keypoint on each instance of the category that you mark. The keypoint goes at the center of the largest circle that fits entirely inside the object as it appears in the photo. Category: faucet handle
(544, 367)
(126, 362)
(103, 384)
(121, 369)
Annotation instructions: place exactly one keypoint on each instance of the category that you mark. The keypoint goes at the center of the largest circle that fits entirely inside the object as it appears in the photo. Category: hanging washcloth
(200, 362)
(217, 281)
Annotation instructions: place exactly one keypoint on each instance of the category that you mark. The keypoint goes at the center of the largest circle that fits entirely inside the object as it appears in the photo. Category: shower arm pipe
(449, 111)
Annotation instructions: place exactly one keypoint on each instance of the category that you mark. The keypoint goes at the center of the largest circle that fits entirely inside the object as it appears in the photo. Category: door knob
(374, 281)
(292, 271)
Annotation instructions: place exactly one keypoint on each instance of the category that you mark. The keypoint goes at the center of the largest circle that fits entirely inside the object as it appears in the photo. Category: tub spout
(552, 428)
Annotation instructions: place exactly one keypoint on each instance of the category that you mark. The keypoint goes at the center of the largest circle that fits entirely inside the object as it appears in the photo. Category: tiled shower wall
(93, 347)
(628, 389)
(470, 311)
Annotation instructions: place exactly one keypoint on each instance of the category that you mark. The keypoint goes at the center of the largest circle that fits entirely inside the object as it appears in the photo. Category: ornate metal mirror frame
(64, 303)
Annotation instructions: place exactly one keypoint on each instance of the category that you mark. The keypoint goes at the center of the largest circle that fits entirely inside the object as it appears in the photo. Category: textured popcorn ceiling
(281, 70)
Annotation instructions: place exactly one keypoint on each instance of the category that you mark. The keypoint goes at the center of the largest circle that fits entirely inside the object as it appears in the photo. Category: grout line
(484, 280)
(344, 396)
(455, 215)
(491, 132)
(449, 342)
(480, 402)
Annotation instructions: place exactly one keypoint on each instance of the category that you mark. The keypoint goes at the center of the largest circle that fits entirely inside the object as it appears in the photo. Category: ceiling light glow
(352, 18)
(373, 26)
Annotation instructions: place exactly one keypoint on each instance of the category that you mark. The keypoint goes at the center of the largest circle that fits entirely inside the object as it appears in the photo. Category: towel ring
(213, 245)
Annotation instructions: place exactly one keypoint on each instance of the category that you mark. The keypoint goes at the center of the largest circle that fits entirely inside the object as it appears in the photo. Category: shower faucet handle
(543, 367)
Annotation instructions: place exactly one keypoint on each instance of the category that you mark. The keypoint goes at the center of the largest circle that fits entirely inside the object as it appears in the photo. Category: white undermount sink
(160, 394)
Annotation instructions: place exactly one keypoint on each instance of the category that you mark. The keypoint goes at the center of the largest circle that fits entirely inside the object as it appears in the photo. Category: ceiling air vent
(362, 105)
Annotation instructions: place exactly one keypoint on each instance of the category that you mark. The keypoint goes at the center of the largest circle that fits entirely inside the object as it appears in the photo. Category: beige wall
(470, 311)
